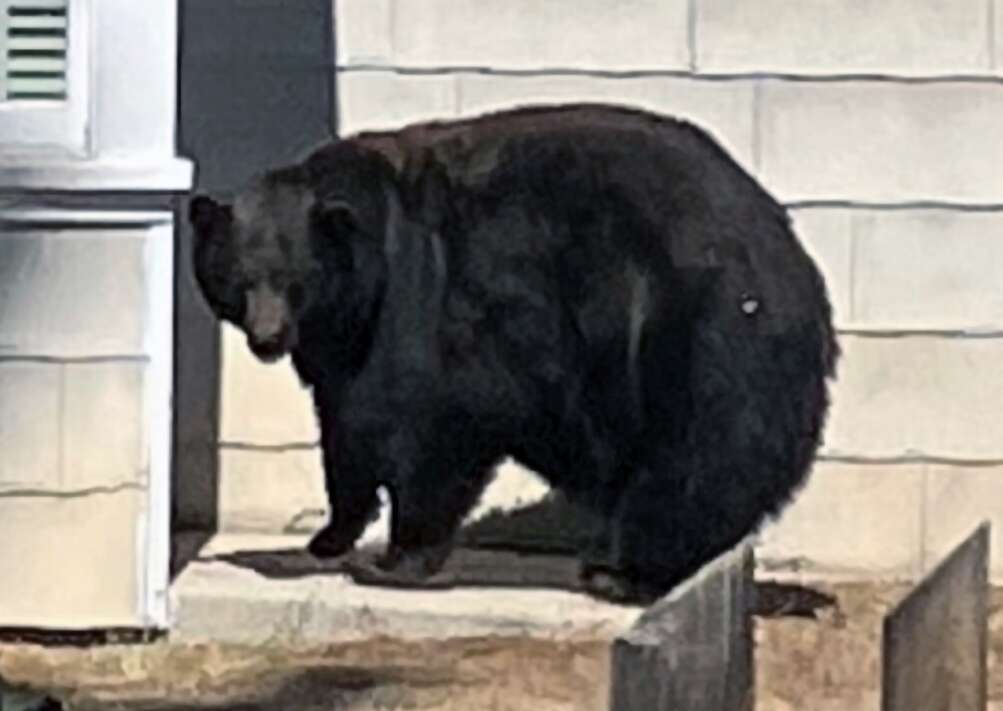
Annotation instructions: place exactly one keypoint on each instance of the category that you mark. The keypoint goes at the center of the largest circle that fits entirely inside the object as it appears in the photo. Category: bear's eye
(296, 294)
(232, 305)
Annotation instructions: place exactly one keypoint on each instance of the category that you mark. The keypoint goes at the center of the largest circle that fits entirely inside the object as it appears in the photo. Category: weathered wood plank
(934, 641)
(692, 650)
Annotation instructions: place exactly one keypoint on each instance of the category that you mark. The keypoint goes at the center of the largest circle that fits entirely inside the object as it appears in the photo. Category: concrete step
(253, 589)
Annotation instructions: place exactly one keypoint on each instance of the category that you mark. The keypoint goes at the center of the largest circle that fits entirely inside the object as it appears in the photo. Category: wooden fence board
(692, 650)
(934, 641)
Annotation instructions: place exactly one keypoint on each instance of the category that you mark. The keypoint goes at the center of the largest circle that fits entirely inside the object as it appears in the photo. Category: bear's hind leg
(758, 406)
(426, 515)
(430, 495)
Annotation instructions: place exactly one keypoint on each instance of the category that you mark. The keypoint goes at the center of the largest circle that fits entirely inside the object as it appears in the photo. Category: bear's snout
(268, 324)
(272, 348)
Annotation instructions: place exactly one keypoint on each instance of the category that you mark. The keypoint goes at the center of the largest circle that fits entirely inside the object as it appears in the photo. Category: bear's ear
(203, 211)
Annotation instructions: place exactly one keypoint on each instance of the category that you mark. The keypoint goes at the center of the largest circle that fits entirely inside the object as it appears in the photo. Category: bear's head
(303, 249)
(264, 262)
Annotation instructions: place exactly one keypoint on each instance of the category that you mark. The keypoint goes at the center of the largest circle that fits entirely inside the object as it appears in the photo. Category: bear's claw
(398, 571)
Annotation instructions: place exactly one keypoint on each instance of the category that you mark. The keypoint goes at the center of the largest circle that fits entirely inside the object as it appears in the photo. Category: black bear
(597, 291)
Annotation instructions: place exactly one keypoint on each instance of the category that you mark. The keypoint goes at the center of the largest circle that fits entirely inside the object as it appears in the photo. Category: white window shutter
(33, 50)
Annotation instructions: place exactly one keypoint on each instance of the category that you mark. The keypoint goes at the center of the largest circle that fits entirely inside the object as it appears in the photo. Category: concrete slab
(271, 595)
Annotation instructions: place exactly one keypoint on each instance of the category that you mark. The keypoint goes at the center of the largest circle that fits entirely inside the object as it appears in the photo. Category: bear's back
(670, 170)
(625, 183)
(473, 142)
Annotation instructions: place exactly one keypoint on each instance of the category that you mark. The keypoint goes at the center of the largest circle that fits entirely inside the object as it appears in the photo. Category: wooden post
(692, 650)
(934, 641)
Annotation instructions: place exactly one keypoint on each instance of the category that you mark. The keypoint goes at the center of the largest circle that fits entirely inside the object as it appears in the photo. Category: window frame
(39, 128)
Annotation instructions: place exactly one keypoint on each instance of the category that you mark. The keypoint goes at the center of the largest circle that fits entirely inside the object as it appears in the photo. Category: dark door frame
(256, 88)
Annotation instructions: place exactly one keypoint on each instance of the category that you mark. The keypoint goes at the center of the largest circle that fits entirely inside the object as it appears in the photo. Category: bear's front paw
(419, 568)
(329, 542)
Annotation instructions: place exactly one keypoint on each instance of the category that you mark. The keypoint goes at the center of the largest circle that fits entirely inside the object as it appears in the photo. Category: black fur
(600, 292)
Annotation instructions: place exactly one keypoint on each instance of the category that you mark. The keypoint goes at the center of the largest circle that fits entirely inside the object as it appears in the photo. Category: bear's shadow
(531, 547)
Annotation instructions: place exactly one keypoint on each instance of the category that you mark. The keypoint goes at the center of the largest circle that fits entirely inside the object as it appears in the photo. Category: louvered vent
(33, 48)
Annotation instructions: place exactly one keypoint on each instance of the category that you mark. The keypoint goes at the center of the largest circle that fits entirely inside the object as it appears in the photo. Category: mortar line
(900, 206)
(73, 360)
(392, 29)
(917, 458)
(457, 95)
(691, 33)
(61, 426)
(852, 267)
(879, 77)
(991, 38)
(757, 127)
(923, 514)
(276, 448)
(75, 494)
(947, 334)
